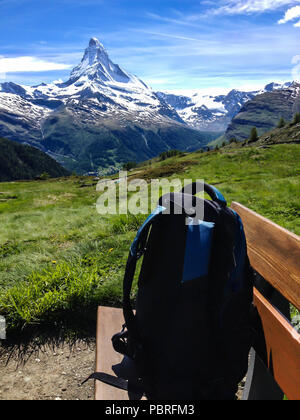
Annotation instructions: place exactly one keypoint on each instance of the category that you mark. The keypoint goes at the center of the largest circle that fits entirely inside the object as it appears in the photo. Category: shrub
(296, 119)
(44, 176)
(281, 123)
(168, 153)
(129, 165)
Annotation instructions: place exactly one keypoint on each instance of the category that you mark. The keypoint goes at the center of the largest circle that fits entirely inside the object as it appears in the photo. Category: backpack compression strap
(213, 192)
(109, 380)
(135, 392)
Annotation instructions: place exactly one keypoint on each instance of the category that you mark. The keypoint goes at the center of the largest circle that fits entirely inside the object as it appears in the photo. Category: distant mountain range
(18, 161)
(214, 112)
(101, 117)
(264, 112)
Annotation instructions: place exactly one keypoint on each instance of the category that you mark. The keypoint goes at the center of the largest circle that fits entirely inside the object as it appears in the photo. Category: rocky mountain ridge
(264, 112)
(214, 112)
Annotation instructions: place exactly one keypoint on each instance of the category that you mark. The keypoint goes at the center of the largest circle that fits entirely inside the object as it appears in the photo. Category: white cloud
(233, 7)
(290, 14)
(296, 68)
(28, 64)
(252, 6)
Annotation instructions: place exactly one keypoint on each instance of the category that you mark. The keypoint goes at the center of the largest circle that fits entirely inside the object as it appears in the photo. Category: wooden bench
(274, 367)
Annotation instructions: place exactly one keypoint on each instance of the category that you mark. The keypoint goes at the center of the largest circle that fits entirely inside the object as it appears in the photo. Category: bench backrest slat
(283, 347)
(274, 253)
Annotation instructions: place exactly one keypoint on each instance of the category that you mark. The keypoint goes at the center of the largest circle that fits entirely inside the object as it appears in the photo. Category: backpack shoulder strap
(137, 249)
(212, 191)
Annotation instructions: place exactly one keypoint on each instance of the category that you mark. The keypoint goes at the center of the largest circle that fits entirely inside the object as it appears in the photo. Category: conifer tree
(253, 135)
(296, 119)
(281, 123)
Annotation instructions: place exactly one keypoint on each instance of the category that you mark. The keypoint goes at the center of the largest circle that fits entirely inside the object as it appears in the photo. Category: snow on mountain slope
(213, 112)
(96, 65)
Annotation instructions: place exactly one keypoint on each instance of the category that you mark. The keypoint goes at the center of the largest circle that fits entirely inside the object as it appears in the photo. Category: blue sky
(169, 44)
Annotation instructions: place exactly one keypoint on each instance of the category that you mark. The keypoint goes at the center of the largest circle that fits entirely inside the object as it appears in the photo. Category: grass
(59, 257)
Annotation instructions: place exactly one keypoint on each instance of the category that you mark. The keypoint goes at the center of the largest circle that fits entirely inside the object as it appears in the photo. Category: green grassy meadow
(59, 258)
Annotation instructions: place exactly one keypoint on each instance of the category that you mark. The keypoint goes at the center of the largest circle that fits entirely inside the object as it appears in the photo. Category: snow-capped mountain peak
(97, 66)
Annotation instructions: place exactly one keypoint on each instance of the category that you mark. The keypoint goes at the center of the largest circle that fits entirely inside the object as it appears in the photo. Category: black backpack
(190, 336)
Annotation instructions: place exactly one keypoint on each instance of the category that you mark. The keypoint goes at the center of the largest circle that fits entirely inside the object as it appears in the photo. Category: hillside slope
(264, 111)
(75, 261)
(18, 162)
(290, 133)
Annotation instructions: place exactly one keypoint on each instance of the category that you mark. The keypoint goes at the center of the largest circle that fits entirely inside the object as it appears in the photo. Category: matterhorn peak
(97, 66)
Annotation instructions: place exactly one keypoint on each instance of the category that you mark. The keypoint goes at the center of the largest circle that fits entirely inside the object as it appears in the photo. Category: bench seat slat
(283, 347)
(109, 322)
(274, 253)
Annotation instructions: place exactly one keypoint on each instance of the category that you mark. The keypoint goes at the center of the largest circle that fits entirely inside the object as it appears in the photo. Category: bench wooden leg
(260, 384)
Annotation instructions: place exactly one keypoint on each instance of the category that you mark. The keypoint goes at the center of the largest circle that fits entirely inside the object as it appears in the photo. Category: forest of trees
(18, 162)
